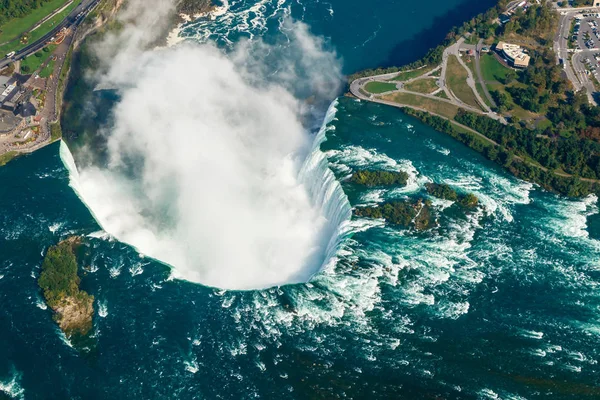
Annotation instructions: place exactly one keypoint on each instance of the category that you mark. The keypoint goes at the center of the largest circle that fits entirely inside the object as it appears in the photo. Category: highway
(72, 20)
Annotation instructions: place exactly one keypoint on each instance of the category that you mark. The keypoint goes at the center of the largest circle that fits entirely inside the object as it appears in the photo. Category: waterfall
(326, 192)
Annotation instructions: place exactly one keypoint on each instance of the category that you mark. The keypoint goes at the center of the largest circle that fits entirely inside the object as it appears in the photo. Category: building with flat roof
(8, 86)
(515, 53)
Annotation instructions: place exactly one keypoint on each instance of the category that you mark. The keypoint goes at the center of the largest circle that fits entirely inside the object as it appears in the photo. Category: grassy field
(6, 157)
(406, 75)
(516, 110)
(438, 107)
(15, 27)
(47, 70)
(482, 94)
(491, 69)
(442, 95)
(41, 31)
(379, 87)
(425, 85)
(456, 76)
(33, 62)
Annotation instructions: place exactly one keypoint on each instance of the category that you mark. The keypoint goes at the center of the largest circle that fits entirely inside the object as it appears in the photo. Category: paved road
(71, 20)
(573, 68)
(358, 84)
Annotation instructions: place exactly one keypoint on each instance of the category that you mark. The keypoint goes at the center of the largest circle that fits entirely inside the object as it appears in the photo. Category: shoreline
(173, 37)
(488, 130)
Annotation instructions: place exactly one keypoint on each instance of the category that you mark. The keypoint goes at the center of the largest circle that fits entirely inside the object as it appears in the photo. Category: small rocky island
(445, 192)
(59, 281)
(371, 178)
(404, 214)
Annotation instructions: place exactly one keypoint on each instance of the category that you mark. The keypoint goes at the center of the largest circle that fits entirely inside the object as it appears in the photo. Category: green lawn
(425, 85)
(379, 87)
(456, 76)
(438, 107)
(33, 62)
(41, 31)
(442, 95)
(482, 93)
(492, 69)
(406, 75)
(6, 157)
(47, 70)
(15, 27)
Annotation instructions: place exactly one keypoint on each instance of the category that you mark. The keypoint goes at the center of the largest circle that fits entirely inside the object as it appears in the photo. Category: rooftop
(515, 52)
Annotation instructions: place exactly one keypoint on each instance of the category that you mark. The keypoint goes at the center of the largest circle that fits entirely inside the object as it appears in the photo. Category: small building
(515, 53)
(504, 18)
(485, 49)
(8, 86)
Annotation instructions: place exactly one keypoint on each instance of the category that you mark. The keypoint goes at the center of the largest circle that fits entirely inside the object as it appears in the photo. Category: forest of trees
(10, 9)
(538, 22)
(568, 153)
(379, 178)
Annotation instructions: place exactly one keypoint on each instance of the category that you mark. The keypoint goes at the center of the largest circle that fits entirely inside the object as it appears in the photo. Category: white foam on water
(41, 304)
(436, 147)
(102, 309)
(488, 394)
(12, 386)
(569, 218)
(55, 226)
(531, 334)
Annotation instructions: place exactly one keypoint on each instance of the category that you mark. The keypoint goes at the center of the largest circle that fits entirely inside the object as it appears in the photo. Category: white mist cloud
(205, 153)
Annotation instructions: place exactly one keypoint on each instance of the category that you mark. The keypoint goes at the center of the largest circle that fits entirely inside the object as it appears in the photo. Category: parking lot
(586, 34)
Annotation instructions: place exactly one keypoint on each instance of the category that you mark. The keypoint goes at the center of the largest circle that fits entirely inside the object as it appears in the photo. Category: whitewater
(325, 195)
(498, 303)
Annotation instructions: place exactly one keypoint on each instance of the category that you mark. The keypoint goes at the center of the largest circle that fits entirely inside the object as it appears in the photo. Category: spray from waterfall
(211, 167)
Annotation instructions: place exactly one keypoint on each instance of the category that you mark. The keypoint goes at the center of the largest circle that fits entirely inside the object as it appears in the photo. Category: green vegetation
(456, 76)
(538, 23)
(493, 70)
(60, 283)
(442, 108)
(46, 27)
(379, 178)
(17, 17)
(469, 200)
(407, 75)
(47, 70)
(505, 155)
(6, 157)
(401, 213)
(55, 132)
(443, 191)
(425, 85)
(442, 95)
(380, 87)
(30, 64)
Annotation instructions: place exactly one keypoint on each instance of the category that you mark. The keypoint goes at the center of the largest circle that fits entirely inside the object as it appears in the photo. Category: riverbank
(530, 114)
